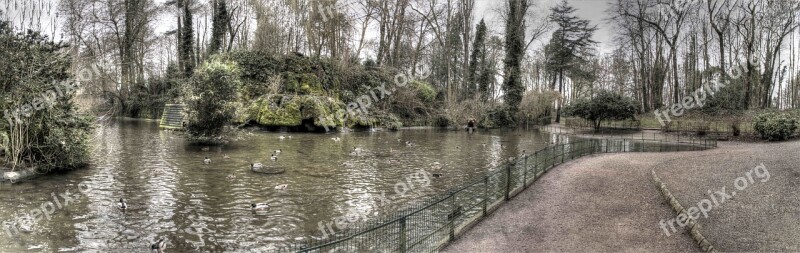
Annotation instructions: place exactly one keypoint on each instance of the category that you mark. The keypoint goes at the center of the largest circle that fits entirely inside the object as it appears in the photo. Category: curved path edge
(691, 225)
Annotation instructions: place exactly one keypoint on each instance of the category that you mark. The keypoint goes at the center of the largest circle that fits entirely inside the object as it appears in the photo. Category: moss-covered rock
(289, 110)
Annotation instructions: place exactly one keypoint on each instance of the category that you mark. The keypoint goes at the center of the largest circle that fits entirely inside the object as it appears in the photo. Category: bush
(536, 105)
(49, 133)
(211, 89)
(605, 105)
(498, 117)
(775, 126)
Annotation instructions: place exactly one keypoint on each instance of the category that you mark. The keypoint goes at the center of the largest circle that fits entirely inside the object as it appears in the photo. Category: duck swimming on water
(259, 206)
(207, 160)
(158, 246)
(122, 205)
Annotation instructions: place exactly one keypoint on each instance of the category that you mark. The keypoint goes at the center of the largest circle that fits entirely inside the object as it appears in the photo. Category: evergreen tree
(187, 41)
(515, 51)
(219, 26)
(477, 61)
(570, 46)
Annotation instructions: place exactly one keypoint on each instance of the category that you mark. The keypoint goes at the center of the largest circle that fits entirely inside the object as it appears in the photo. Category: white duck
(259, 206)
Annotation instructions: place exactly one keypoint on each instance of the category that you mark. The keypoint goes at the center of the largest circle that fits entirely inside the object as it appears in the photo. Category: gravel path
(763, 214)
(609, 203)
(595, 204)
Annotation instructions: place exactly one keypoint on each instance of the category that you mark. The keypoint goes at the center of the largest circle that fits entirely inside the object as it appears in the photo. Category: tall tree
(515, 51)
(187, 41)
(570, 46)
(219, 26)
(477, 60)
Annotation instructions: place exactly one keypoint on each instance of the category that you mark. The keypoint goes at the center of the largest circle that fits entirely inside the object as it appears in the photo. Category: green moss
(289, 110)
(425, 91)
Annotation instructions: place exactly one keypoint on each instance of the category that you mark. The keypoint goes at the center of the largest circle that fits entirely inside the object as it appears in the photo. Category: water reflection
(199, 207)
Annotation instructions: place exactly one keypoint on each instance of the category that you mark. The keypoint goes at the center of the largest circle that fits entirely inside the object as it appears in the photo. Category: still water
(200, 207)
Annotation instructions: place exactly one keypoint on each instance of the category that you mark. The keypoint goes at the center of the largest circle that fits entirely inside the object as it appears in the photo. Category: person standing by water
(471, 125)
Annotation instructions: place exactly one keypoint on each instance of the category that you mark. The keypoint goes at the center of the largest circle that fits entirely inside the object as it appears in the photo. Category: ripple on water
(206, 208)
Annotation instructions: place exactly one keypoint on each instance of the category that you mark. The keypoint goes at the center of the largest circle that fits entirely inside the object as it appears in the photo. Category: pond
(172, 194)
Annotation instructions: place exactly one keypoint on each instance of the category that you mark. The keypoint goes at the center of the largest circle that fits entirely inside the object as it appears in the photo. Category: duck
(122, 205)
(274, 158)
(226, 157)
(408, 143)
(207, 160)
(259, 206)
(281, 187)
(281, 137)
(336, 139)
(256, 166)
(277, 151)
(158, 246)
(356, 151)
(230, 177)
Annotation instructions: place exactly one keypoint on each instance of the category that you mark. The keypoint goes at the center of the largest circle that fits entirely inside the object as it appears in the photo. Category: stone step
(173, 116)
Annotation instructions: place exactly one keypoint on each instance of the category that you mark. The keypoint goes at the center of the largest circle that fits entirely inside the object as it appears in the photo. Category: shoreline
(23, 174)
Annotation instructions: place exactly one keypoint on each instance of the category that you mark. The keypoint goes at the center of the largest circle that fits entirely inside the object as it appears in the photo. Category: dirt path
(594, 204)
(609, 203)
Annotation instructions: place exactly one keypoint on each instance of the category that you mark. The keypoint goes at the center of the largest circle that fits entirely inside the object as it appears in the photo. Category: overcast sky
(592, 10)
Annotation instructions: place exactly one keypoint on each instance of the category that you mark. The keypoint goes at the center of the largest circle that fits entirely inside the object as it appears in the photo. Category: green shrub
(425, 91)
(54, 135)
(211, 89)
(775, 126)
(605, 105)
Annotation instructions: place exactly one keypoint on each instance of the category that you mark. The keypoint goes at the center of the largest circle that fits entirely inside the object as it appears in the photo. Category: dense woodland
(523, 65)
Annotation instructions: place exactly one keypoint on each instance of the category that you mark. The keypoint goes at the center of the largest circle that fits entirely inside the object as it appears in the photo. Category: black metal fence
(431, 224)
(717, 129)
(711, 128)
(621, 124)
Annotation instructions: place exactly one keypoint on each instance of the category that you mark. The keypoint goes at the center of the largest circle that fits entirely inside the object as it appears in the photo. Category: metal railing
(686, 127)
(612, 124)
(431, 224)
(710, 128)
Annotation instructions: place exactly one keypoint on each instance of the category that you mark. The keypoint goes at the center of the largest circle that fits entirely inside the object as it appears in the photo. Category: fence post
(403, 234)
(485, 195)
(525, 173)
(508, 181)
(562, 153)
(451, 222)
